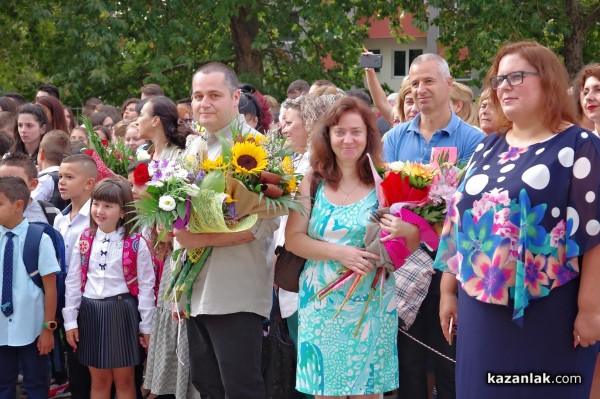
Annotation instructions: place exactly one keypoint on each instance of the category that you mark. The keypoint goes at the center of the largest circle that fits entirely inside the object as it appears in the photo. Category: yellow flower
(415, 169)
(209, 165)
(287, 166)
(291, 185)
(259, 139)
(248, 158)
(228, 199)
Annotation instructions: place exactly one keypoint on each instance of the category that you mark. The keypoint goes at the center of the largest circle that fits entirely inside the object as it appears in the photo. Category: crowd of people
(509, 296)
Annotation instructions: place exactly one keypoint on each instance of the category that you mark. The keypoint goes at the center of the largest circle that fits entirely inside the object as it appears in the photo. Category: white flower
(192, 190)
(156, 183)
(142, 155)
(166, 203)
(396, 166)
(181, 173)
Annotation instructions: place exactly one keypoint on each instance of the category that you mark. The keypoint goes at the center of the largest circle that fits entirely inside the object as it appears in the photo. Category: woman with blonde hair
(461, 102)
(403, 111)
(489, 120)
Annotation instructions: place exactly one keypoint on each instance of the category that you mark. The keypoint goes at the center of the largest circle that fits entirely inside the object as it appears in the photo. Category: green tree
(111, 48)
(566, 26)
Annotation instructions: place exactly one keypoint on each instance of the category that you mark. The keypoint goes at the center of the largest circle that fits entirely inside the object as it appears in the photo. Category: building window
(403, 59)
(376, 51)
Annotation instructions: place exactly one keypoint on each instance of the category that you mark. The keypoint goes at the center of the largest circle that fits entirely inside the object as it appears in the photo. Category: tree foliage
(110, 48)
(569, 27)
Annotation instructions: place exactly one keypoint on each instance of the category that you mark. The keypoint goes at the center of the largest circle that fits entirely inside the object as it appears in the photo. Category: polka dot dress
(521, 218)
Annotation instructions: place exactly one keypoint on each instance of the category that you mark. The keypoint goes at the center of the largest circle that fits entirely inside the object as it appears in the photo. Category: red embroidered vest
(131, 246)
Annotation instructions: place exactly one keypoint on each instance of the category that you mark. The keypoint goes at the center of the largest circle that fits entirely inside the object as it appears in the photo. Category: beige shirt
(236, 278)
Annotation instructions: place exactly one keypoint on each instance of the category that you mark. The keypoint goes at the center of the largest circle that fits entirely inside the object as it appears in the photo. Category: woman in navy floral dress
(522, 239)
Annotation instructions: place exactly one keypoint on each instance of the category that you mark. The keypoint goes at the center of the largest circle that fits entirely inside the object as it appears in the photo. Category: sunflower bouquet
(257, 175)
(253, 178)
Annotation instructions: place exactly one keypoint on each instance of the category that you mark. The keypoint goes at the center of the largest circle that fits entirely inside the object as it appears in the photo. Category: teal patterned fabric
(331, 360)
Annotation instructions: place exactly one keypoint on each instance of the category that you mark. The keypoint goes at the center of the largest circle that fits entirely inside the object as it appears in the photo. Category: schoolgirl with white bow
(110, 298)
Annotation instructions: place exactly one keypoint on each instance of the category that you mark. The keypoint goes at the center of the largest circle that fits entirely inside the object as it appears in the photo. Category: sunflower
(210, 165)
(248, 158)
(291, 185)
(287, 166)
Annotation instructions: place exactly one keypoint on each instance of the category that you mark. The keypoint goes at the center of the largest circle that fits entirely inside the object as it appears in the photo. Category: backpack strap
(86, 239)
(131, 247)
(31, 252)
(158, 266)
(50, 211)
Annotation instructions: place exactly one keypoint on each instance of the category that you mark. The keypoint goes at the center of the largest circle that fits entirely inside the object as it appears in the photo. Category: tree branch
(591, 18)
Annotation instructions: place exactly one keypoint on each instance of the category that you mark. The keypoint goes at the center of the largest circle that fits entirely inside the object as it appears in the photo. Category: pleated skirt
(109, 332)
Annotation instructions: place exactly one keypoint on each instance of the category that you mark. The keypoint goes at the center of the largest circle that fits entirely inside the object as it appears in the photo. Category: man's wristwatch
(50, 325)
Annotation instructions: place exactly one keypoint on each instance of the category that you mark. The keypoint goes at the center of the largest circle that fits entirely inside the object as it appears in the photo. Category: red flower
(141, 175)
(104, 142)
(398, 189)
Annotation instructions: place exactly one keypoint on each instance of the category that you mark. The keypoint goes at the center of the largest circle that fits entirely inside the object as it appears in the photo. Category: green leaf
(214, 180)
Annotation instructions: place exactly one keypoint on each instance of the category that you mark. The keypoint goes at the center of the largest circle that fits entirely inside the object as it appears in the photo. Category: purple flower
(230, 211)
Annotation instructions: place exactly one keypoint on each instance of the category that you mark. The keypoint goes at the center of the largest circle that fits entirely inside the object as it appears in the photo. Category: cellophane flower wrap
(419, 194)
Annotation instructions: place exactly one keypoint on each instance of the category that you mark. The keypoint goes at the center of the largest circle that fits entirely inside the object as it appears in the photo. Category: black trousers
(80, 381)
(225, 355)
(412, 357)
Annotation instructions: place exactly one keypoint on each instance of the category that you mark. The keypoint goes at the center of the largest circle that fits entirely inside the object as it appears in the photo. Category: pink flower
(535, 277)
(453, 214)
(558, 233)
(480, 208)
(512, 154)
(488, 201)
(491, 277)
(497, 197)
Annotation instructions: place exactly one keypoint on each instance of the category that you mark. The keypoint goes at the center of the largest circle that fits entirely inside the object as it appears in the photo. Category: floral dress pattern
(331, 360)
(522, 217)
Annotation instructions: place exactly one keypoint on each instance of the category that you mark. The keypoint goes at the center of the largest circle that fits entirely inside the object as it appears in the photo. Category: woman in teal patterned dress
(334, 357)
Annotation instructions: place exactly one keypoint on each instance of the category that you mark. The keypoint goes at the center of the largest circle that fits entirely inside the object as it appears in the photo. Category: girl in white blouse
(109, 300)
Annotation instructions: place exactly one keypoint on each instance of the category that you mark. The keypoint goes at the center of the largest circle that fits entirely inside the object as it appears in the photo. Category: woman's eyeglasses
(513, 79)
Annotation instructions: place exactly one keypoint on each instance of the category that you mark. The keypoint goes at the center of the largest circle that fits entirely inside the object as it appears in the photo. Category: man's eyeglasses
(513, 79)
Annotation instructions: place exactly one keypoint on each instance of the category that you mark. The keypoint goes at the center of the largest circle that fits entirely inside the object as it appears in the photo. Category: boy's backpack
(50, 211)
(31, 254)
(56, 199)
(131, 246)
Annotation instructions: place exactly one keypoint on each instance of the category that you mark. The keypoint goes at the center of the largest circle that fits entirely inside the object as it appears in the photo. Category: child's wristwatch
(50, 325)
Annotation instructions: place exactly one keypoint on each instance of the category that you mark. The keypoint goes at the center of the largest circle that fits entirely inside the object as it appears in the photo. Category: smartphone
(371, 60)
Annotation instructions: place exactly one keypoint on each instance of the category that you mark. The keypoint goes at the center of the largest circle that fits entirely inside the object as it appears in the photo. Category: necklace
(346, 194)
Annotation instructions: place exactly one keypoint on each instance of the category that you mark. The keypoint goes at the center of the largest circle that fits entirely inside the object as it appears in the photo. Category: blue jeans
(34, 367)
